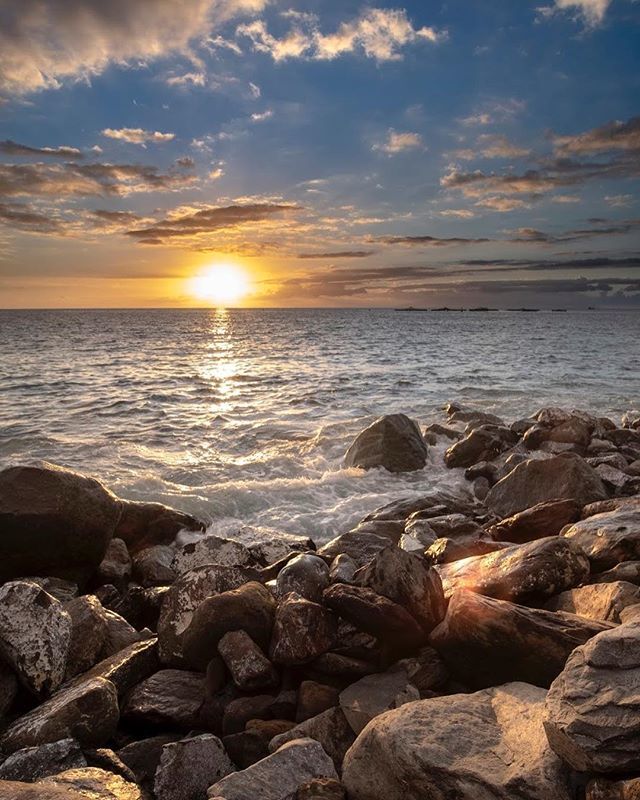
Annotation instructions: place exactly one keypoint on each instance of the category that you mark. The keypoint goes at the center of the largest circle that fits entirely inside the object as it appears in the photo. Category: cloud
(592, 12)
(339, 254)
(187, 79)
(261, 117)
(458, 213)
(613, 136)
(44, 43)
(492, 146)
(12, 148)
(502, 203)
(23, 217)
(619, 200)
(495, 111)
(378, 33)
(399, 141)
(137, 135)
(429, 241)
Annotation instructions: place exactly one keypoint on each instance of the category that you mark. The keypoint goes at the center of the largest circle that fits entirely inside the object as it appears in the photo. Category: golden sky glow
(223, 284)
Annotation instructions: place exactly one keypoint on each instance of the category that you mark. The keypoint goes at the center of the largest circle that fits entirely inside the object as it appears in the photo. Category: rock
(592, 706)
(314, 698)
(475, 417)
(88, 633)
(563, 477)
(452, 526)
(240, 711)
(115, 567)
(143, 525)
(62, 590)
(359, 546)
(537, 522)
(249, 667)
(120, 634)
(602, 789)
(435, 430)
(426, 671)
(608, 538)
(87, 712)
(250, 608)
(376, 615)
(330, 728)
(307, 575)
(485, 642)
(407, 580)
(54, 522)
(8, 689)
(268, 545)
(393, 442)
(342, 667)
(143, 756)
(32, 763)
(187, 768)
(444, 551)
(535, 570)
(141, 607)
(184, 596)
(572, 431)
(601, 601)
(210, 549)
(551, 416)
(485, 746)
(152, 566)
(87, 783)
(373, 695)
(302, 631)
(480, 444)
(126, 668)
(35, 632)
(106, 759)
(171, 697)
(616, 480)
(321, 789)
(278, 776)
(343, 569)
(628, 571)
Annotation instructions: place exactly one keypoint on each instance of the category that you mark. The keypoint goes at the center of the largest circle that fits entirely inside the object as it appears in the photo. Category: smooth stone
(249, 667)
(330, 728)
(480, 444)
(187, 768)
(307, 575)
(608, 538)
(143, 524)
(538, 522)
(152, 566)
(120, 634)
(210, 549)
(373, 695)
(601, 601)
(393, 442)
(33, 763)
(302, 631)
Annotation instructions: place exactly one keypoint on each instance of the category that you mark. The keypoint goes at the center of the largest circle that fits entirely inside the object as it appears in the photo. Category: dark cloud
(428, 241)
(22, 217)
(339, 254)
(12, 148)
(612, 136)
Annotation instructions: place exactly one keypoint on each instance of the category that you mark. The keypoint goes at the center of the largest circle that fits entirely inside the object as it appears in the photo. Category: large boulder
(603, 601)
(563, 477)
(89, 629)
(171, 698)
(53, 522)
(485, 642)
(608, 538)
(484, 746)
(592, 719)
(480, 444)
(330, 728)
(302, 631)
(393, 442)
(35, 632)
(374, 694)
(143, 525)
(306, 575)
(537, 522)
(189, 767)
(523, 572)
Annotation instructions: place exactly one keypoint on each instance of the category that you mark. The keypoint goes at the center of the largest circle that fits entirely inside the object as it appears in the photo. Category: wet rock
(126, 668)
(608, 538)
(375, 614)
(250, 608)
(563, 477)
(480, 444)
(592, 706)
(475, 417)
(537, 522)
(601, 601)
(469, 747)
(88, 633)
(184, 596)
(142, 757)
(87, 712)
(360, 546)
(32, 763)
(143, 525)
(407, 580)
(343, 569)
(171, 697)
(603, 789)
(152, 566)
(301, 632)
(115, 567)
(538, 569)
(278, 776)
(330, 729)
(393, 442)
(249, 667)
(187, 768)
(268, 545)
(54, 522)
(35, 632)
(434, 431)
(141, 607)
(307, 575)
(371, 696)
(485, 642)
(210, 549)
(452, 526)
(444, 551)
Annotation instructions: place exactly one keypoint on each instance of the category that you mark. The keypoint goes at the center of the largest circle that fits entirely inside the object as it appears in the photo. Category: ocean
(244, 415)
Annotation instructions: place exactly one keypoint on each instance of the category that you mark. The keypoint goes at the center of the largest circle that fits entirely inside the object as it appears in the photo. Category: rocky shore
(479, 644)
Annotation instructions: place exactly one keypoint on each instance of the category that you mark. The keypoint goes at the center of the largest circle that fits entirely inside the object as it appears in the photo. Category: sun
(222, 284)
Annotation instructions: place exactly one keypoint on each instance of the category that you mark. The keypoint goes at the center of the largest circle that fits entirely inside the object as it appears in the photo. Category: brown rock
(314, 698)
(88, 633)
(171, 697)
(301, 632)
(126, 668)
(115, 567)
(249, 667)
(600, 601)
(537, 522)
(321, 789)
(393, 442)
(143, 524)
(608, 538)
(603, 789)
(330, 729)
(152, 566)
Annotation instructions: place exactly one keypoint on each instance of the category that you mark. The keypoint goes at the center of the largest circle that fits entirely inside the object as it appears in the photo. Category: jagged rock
(393, 442)
(603, 601)
(373, 695)
(314, 698)
(106, 759)
(32, 763)
(35, 632)
(302, 631)
(210, 549)
(250, 608)
(407, 580)
(152, 566)
(330, 728)
(87, 712)
(74, 784)
(343, 569)
(426, 671)
(120, 634)
(187, 768)
(268, 545)
(618, 481)
(359, 545)
(321, 789)
(537, 522)
(563, 477)
(115, 567)
(143, 756)
(171, 697)
(628, 571)
(126, 668)
(184, 596)
(62, 590)
(54, 522)
(480, 444)
(278, 776)
(602, 789)
(143, 525)
(307, 575)
(485, 746)
(375, 614)
(535, 570)
(608, 538)
(485, 642)
(249, 667)
(88, 633)
(592, 706)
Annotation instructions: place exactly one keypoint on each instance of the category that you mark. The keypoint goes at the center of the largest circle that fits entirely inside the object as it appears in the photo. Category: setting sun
(222, 284)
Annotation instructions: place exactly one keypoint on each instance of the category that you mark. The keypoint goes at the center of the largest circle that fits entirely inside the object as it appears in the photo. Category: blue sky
(424, 153)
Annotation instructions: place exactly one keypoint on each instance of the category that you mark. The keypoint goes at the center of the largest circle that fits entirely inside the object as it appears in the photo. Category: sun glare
(222, 284)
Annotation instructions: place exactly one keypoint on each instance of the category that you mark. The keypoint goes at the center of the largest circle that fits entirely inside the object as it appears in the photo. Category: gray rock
(126, 668)
(249, 667)
(330, 728)
(143, 525)
(210, 549)
(62, 590)
(143, 756)
(608, 538)
(32, 763)
(88, 633)
(187, 768)
(373, 695)
(360, 545)
(393, 442)
(485, 746)
(601, 601)
(307, 575)
(152, 566)
(302, 631)
(35, 632)
(171, 697)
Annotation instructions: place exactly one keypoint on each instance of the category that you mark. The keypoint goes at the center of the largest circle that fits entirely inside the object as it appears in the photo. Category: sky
(458, 153)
